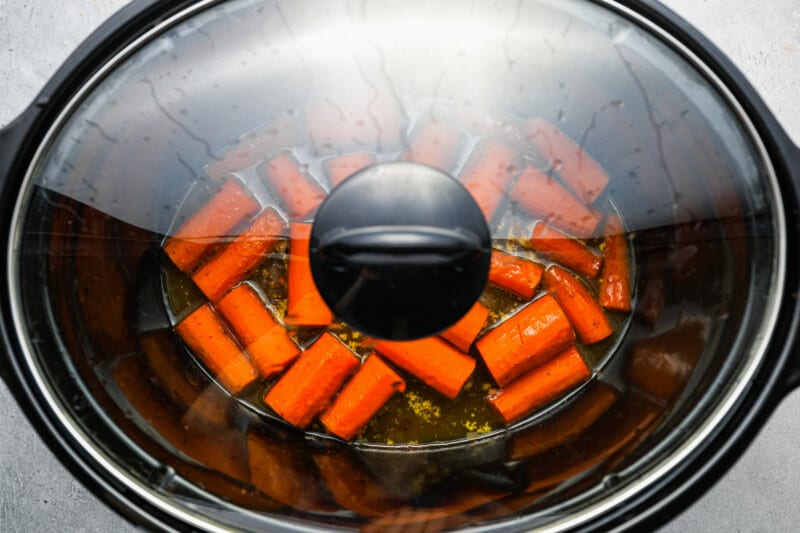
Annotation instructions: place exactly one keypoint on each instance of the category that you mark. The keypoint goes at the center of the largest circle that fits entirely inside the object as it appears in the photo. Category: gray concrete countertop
(758, 494)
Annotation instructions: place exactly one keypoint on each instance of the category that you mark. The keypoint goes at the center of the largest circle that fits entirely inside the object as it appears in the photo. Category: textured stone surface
(758, 494)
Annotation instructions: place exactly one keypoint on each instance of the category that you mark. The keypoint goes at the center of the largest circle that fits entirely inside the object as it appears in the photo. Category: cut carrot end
(580, 172)
(300, 195)
(267, 342)
(310, 383)
(210, 225)
(305, 306)
(565, 250)
(525, 340)
(540, 385)
(583, 312)
(543, 197)
(232, 264)
(463, 333)
(204, 334)
(363, 396)
(515, 274)
(432, 360)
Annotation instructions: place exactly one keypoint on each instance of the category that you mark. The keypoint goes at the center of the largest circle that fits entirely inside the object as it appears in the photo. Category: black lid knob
(400, 251)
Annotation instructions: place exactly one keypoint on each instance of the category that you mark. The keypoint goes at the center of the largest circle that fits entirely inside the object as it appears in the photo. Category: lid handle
(400, 251)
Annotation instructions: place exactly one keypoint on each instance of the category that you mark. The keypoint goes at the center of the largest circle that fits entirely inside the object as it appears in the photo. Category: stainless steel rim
(752, 363)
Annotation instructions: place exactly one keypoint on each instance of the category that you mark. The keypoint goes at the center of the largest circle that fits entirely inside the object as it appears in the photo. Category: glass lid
(392, 264)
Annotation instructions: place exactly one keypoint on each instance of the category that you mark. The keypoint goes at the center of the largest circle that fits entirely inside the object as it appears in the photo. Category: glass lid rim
(752, 359)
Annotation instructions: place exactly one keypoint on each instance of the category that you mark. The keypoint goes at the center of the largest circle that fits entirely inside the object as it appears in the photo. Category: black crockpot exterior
(653, 506)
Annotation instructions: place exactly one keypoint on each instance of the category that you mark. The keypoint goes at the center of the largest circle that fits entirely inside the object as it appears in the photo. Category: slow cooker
(664, 365)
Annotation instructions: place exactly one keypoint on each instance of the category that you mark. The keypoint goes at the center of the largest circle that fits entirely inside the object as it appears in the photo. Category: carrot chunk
(582, 311)
(565, 250)
(515, 274)
(340, 168)
(362, 397)
(432, 360)
(540, 385)
(437, 144)
(615, 284)
(207, 227)
(526, 340)
(310, 383)
(299, 194)
(463, 333)
(577, 168)
(231, 264)
(543, 197)
(487, 174)
(305, 306)
(267, 342)
(204, 334)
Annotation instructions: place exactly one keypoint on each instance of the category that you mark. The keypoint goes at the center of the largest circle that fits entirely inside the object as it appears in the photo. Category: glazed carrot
(310, 383)
(362, 397)
(577, 168)
(340, 168)
(267, 342)
(204, 334)
(567, 425)
(209, 225)
(540, 385)
(432, 360)
(515, 274)
(543, 197)
(437, 144)
(231, 264)
(299, 194)
(487, 174)
(615, 284)
(305, 306)
(253, 147)
(463, 333)
(525, 340)
(565, 250)
(583, 313)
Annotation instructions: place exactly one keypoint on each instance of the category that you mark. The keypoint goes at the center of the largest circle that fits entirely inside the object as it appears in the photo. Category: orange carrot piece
(310, 383)
(463, 333)
(540, 385)
(565, 250)
(582, 311)
(442, 367)
(577, 168)
(515, 274)
(543, 197)
(209, 225)
(526, 340)
(615, 281)
(204, 334)
(231, 264)
(267, 342)
(437, 144)
(487, 174)
(362, 397)
(299, 194)
(340, 168)
(305, 306)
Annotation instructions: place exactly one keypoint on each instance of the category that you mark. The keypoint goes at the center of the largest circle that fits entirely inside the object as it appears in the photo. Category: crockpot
(700, 173)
